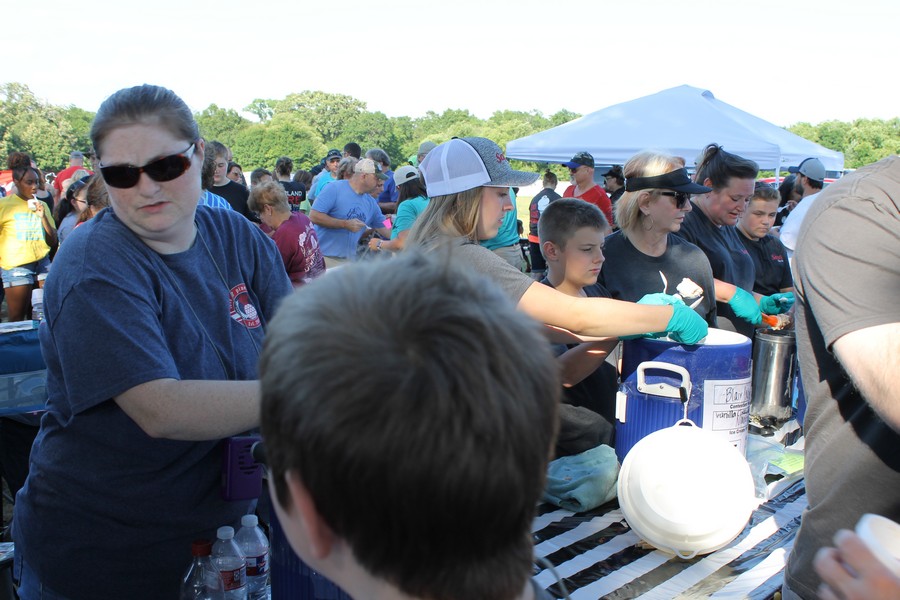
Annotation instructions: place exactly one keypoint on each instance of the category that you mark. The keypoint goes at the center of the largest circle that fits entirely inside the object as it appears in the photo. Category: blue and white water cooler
(714, 377)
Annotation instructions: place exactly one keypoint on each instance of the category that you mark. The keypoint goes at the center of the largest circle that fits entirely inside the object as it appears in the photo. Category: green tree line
(305, 125)
(862, 141)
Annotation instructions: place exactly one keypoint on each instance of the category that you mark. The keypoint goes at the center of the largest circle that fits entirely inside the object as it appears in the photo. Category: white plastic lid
(225, 532)
(714, 337)
(722, 337)
(37, 296)
(249, 521)
(686, 490)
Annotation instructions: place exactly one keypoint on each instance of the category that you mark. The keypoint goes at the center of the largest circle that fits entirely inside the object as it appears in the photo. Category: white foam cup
(882, 537)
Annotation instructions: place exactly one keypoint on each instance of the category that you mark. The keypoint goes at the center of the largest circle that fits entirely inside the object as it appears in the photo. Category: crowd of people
(174, 284)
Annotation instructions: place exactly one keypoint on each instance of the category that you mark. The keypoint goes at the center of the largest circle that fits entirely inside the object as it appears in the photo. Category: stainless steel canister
(773, 374)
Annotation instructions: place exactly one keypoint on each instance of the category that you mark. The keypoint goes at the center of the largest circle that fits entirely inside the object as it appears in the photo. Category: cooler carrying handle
(663, 389)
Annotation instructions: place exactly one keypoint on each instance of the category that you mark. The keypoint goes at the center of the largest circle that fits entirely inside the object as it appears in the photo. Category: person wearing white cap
(345, 210)
(809, 182)
(468, 181)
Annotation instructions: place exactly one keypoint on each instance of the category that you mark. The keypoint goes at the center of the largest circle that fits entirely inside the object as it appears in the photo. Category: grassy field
(522, 203)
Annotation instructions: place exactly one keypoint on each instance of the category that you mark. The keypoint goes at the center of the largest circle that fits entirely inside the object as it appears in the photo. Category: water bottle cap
(249, 521)
(201, 548)
(225, 532)
(37, 295)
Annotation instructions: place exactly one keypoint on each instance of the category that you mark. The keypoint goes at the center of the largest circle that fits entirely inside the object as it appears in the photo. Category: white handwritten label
(726, 409)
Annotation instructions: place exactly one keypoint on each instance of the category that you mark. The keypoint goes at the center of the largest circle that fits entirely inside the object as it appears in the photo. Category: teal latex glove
(744, 305)
(686, 326)
(776, 304)
(660, 299)
(686, 329)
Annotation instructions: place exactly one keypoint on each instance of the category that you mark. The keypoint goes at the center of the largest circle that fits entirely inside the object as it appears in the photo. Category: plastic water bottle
(202, 581)
(37, 304)
(228, 559)
(255, 548)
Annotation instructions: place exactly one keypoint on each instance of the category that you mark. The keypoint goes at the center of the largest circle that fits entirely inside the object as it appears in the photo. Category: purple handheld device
(241, 474)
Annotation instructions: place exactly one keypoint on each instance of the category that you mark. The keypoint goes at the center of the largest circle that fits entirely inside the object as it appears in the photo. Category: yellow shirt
(21, 233)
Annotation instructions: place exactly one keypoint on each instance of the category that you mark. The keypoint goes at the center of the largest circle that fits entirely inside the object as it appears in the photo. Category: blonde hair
(455, 215)
(643, 164)
(270, 193)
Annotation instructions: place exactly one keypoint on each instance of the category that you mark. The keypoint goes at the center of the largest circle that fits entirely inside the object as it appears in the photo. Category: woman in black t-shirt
(296, 192)
(645, 256)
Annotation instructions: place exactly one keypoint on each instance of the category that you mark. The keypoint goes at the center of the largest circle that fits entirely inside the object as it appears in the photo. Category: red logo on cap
(500, 157)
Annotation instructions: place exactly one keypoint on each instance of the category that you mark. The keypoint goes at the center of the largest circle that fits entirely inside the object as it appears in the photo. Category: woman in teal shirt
(410, 204)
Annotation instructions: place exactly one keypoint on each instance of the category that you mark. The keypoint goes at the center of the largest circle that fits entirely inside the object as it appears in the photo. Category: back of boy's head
(418, 408)
(564, 216)
(218, 149)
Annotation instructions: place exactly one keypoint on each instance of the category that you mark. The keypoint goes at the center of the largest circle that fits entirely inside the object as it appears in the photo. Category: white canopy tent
(682, 121)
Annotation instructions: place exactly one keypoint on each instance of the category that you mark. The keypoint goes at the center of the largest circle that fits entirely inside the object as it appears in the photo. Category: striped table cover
(596, 556)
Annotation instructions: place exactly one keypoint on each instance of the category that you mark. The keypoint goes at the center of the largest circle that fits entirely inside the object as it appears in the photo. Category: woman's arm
(192, 410)
(601, 317)
(394, 245)
(749, 305)
(726, 291)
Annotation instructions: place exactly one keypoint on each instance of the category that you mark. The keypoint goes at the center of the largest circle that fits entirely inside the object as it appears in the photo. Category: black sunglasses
(166, 168)
(681, 198)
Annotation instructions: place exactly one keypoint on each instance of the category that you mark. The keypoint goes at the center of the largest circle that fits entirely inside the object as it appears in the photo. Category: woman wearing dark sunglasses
(171, 301)
(645, 256)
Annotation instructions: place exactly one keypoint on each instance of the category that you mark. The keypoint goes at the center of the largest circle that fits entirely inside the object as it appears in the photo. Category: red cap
(201, 548)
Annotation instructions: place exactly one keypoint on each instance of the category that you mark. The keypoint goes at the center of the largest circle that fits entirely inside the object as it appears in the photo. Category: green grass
(522, 204)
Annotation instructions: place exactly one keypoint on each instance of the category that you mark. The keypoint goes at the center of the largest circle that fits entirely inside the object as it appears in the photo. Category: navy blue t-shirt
(296, 193)
(728, 258)
(108, 511)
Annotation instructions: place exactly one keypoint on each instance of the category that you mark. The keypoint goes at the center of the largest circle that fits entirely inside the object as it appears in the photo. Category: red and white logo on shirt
(242, 310)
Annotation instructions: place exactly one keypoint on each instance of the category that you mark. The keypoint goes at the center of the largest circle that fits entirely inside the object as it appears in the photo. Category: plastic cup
(882, 537)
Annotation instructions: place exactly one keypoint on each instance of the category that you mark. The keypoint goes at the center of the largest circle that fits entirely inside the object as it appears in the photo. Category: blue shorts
(27, 274)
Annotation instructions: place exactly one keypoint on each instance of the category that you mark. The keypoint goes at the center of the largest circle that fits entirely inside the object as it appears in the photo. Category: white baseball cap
(463, 164)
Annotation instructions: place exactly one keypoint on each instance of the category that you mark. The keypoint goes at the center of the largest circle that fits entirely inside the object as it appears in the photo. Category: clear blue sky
(782, 60)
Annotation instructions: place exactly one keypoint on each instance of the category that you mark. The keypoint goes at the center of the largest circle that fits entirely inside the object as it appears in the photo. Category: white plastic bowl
(686, 490)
